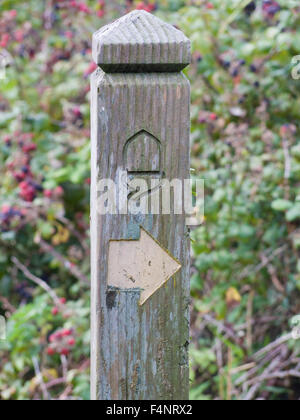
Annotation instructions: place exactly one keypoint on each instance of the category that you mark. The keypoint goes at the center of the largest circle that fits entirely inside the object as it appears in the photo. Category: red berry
(24, 185)
(141, 6)
(58, 191)
(65, 352)
(5, 209)
(55, 311)
(213, 116)
(4, 40)
(58, 335)
(83, 7)
(284, 130)
(13, 13)
(20, 176)
(48, 193)
(19, 35)
(63, 301)
(71, 342)
(76, 111)
(27, 148)
(209, 5)
(100, 13)
(66, 333)
(27, 192)
(50, 351)
(52, 338)
(151, 8)
(27, 136)
(92, 67)
(69, 34)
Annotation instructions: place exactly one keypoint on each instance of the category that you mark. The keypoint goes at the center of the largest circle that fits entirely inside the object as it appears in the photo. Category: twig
(229, 377)
(270, 356)
(278, 286)
(253, 390)
(219, 356)
(7, 305)
(41, 283)
(40, 379)
(270, 254)
(66, 393)
(237, 10)
(74, 232)
(64, 364)
(240, 369)
(209, 85)
(273, 345)
(222, 328)
(287, 159)
(256, 269)
(55, 382)
(280, 375)
(249, 320)
(61, 381)
(66, 263)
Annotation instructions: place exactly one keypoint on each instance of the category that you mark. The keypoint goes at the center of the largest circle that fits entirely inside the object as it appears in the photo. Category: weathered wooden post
(140, 260)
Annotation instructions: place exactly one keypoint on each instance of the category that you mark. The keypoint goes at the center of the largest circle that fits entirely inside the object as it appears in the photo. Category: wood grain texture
(142, 153)
(141, 42)
(139, 352)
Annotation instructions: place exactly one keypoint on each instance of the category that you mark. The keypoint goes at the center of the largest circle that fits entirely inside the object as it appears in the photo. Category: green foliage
(245, 133)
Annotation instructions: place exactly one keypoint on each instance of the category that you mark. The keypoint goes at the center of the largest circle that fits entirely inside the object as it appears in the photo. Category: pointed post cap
(141, 42)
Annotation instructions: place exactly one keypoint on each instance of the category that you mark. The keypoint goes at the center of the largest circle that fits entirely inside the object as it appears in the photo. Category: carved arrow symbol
(142, 264)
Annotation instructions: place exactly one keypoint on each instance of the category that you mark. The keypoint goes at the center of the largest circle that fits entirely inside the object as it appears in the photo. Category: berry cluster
(55, 310)
(6, 27)
(250, 8)
(81, 6)
(270, 8)
(10, 34)
(24, 291)
(148, 7)
(61, 342)
(101, 9)
(10, 217)
(20, 168)
(230, 63)
(21, 171)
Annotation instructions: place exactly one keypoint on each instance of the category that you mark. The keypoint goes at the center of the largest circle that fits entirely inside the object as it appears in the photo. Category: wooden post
(140, 262)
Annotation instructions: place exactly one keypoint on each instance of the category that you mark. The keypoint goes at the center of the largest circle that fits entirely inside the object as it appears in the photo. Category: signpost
(140, 251)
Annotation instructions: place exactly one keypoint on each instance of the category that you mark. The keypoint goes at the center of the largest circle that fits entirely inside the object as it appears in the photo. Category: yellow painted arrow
(143, 264)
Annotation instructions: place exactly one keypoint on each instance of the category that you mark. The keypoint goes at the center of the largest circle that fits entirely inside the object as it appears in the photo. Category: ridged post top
(140, 42)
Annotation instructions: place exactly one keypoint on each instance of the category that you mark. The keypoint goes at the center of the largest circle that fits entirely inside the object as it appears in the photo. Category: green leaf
(281, 205)
(293, 213)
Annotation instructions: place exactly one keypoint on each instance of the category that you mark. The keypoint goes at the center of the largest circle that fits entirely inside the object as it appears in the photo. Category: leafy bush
(245, 137)
(245, 132)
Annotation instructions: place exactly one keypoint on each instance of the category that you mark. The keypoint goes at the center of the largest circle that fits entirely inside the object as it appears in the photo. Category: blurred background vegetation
(245, 144)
